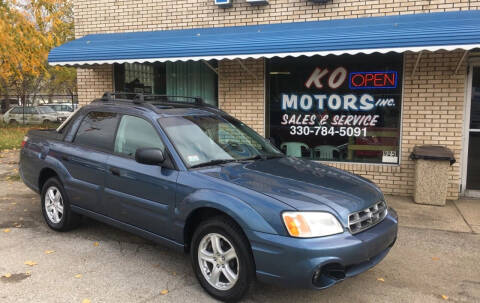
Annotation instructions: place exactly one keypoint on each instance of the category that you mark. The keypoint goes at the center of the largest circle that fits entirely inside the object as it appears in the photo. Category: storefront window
(336, 108)
(193, 79)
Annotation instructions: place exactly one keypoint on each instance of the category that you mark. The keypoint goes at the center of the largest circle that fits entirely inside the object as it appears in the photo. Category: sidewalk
(457, 216)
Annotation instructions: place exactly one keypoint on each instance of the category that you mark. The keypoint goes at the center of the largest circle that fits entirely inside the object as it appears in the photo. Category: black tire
(246, 269)
(69, 219)
(13, 122)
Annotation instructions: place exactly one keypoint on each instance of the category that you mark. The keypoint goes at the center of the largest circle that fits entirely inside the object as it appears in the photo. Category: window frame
(119, 68)
(116, 134)
(267, 113)
(85, 115)
(72, 128)
(14, 111)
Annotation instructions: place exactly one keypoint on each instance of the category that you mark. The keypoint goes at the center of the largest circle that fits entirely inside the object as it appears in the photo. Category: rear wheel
(222, 259)
(56, 207)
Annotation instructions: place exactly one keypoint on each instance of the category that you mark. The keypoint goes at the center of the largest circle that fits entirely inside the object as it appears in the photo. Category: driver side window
(134, 133)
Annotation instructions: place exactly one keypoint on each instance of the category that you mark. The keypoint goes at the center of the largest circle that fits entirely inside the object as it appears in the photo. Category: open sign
(372, 80)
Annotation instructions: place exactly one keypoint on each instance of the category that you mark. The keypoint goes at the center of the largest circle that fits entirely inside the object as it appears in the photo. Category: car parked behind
(31, 115)
(64, 110)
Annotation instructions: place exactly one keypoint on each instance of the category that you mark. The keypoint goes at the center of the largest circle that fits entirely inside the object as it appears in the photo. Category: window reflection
(336, 108)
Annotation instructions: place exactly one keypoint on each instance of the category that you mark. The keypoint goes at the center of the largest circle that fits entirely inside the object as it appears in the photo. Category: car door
(24, 115)
(33, 116)
(19, 114)
(85, 158)
(138, 194)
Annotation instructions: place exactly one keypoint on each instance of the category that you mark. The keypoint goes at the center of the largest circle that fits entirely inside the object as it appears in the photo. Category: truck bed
(51, 134)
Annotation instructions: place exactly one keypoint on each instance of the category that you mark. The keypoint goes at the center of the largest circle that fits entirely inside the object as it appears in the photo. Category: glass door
(473, 161)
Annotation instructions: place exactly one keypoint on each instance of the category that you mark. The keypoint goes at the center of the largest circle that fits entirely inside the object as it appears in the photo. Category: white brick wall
(130, 15)
(92, 82)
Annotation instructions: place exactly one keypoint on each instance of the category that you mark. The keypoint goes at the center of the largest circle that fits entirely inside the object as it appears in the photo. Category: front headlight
(311, 224)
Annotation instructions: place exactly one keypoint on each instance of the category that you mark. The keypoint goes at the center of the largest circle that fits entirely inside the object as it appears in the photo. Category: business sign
(349, 104)
(373, 80)
(355, 108)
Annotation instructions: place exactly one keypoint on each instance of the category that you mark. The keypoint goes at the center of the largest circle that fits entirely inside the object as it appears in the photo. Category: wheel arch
(45, 174)
(200, 215)
(203, 204)
(204, 213)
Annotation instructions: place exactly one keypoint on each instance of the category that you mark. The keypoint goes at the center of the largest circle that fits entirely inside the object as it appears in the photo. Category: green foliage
(28, 31)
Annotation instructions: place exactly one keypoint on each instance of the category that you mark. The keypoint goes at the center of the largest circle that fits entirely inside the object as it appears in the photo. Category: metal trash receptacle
(431, 173)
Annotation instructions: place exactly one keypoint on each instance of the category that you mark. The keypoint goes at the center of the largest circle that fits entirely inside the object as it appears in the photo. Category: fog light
(328, 275)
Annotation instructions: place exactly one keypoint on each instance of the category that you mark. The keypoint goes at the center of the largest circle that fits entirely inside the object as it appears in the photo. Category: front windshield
(206, 139)
(45, 110)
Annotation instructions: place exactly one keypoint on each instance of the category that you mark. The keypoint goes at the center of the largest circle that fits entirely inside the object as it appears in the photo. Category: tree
(28, 30)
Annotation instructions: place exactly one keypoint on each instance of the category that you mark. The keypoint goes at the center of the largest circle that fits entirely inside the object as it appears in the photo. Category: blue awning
(431, 32)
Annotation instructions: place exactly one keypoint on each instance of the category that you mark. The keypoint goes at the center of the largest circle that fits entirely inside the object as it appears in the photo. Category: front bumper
(321, 262)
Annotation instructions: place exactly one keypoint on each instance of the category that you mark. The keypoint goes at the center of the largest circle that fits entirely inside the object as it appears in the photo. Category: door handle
(115, 171)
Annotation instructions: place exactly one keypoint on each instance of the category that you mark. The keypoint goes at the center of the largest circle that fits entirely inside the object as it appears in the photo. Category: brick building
(380, 101)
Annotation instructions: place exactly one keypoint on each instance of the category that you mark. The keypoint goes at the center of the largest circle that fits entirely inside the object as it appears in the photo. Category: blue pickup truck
(188, 175)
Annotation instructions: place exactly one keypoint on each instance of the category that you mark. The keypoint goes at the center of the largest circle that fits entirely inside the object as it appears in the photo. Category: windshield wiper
(273, 156)
(264, 157)
(257, 157)
(213, 162)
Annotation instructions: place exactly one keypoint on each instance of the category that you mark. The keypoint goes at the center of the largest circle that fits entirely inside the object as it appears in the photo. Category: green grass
(11, 136)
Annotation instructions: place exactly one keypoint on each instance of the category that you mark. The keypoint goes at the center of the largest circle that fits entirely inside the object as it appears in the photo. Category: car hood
(302, 184)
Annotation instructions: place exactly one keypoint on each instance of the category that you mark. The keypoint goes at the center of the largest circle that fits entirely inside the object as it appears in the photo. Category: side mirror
(149, 156)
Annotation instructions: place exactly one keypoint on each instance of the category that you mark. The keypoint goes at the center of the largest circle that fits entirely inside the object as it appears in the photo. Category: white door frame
(473, 62)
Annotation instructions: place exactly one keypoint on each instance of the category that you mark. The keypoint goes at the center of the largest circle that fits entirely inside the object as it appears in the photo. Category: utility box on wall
(258, 2)
(223, 3)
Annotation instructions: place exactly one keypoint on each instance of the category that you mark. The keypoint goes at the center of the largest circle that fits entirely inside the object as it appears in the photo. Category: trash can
(431, 173)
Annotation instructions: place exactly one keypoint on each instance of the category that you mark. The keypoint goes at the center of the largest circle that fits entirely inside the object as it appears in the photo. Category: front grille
(367, 218)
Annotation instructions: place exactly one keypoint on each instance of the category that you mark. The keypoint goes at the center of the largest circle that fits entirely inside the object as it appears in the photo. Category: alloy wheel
(218, 261)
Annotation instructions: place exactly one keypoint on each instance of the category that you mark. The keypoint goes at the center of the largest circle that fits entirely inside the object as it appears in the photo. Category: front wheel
(222, 259)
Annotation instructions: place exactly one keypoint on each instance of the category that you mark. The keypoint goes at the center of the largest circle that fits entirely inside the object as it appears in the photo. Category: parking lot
(436, 259)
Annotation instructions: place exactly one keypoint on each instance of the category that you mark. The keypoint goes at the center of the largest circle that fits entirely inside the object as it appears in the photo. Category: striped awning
(419, 32)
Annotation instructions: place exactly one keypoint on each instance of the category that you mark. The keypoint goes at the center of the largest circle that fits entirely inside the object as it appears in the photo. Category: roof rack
(139, 98)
